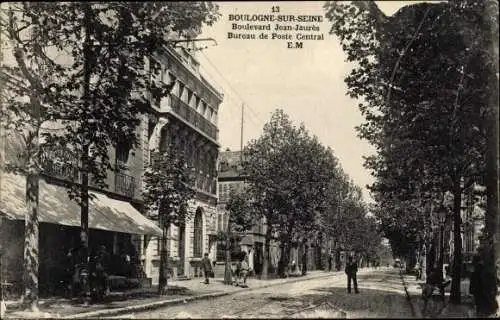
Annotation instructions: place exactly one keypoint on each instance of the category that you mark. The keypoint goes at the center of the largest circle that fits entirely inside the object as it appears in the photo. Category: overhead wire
(255, 114)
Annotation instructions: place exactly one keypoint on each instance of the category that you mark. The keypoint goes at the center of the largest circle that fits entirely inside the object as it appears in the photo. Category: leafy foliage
(298, 186)
(96, 92)
(425, 77)
(168, 185)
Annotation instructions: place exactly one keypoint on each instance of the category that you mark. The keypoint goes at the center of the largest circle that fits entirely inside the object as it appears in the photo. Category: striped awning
(55, 207)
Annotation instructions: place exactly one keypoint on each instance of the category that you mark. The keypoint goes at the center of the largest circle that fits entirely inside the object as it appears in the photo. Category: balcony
(124, 184)
(205, 183)
(62, 165)
(194, 118)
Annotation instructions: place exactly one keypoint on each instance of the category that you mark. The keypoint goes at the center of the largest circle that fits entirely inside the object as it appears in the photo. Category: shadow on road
(373, 303)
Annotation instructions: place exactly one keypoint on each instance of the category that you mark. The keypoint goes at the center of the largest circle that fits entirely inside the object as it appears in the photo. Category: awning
(55, 207)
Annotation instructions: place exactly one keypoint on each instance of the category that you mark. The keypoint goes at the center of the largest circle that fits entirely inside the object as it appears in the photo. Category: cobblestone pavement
(381, 295)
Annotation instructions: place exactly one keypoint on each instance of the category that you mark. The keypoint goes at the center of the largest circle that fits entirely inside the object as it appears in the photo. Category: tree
(168, 190)
(95, 94)
(240, 219)
(289, 174)
(431, 106)
(267, 175)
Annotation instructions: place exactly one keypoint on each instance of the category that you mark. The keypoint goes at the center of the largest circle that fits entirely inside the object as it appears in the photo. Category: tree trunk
(431, 258)
(227, 268)
(304, 258)
(441, 252)
(31, 227)
(319, 257)
(84, 189)
(423, 262)
(31, 247)
(455, 295)
(492, 220)
(163, 272)
(265, 260)
(281, 263)
(338, 263)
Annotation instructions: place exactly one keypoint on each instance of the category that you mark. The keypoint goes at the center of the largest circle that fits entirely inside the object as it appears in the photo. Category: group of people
(77, 277)
(240, 273)
(243, 269)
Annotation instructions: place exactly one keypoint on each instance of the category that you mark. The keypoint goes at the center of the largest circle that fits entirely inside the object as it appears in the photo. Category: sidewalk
(435, 308)
(179, 292)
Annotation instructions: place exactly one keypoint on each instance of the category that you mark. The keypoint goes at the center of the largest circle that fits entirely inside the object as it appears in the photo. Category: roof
(230, 165)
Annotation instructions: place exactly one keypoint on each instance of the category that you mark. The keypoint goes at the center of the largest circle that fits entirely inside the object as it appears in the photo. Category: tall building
(117, 220)
(187, 118)
(230, 180)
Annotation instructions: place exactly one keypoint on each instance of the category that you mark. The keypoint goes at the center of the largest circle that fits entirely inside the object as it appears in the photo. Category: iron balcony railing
(190, 115)
(62, 165)
(124, 184)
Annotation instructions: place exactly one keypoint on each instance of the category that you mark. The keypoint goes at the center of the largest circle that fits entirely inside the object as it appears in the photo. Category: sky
(308, 83)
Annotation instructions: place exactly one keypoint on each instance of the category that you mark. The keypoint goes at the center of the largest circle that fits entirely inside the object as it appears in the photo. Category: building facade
(231, 179)
(116, 220)
(186, 118)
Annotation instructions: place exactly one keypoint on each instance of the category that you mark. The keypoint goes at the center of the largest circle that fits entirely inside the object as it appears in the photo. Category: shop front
(114, 226)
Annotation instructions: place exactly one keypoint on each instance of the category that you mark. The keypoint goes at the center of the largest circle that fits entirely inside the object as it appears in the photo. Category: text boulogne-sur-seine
(275, 18)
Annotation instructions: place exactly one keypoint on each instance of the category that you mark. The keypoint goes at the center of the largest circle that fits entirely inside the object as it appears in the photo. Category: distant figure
(293, 267)
(304, 263)
(207, 268)
(330, 260)
(351, 269)
(418, 271)
(244, 268)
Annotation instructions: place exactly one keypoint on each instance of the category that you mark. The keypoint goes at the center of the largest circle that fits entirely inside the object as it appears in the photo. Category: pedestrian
(293, 267)
(418, 274)
(207, 268)
(351, 269)
(330, 259)
(304, 263)
(244, 268)
(482, 288)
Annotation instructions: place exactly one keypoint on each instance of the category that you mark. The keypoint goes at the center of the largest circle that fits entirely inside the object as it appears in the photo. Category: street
(381, 296)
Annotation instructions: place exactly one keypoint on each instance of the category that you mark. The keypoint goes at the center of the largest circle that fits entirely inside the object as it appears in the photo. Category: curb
(408, 296)
(165, 303)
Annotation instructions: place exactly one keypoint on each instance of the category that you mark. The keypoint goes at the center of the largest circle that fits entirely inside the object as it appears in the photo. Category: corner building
(187, 118)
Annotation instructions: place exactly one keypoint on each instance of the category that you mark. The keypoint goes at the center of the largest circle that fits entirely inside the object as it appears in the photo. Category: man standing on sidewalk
(351, 269)
(207, 268)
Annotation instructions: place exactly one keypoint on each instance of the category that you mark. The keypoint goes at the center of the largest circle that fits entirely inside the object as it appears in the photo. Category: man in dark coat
(482, 288)
(207, 267)
(351, 269)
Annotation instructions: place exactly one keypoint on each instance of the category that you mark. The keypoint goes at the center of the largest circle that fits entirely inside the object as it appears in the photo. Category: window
(219, 222)
(122, 152)
(221, 251)
(197, 103)
(198, 234)
(189, 96)
(224, 166)
(203, 108)
(181, 89)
